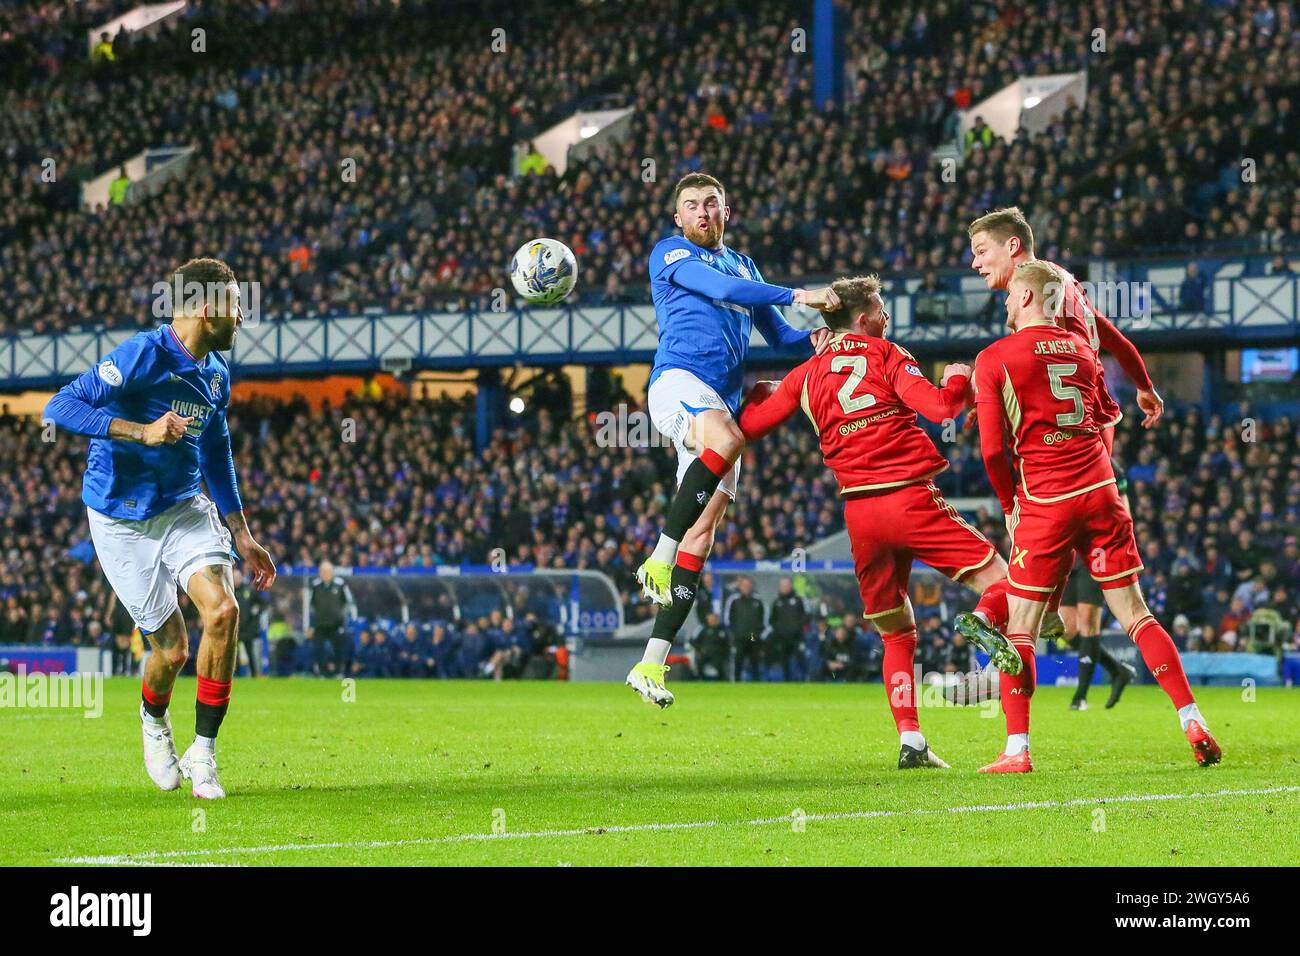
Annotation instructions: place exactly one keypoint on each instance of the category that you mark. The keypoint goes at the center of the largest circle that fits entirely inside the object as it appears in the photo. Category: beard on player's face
(220, 333)
(708, 235)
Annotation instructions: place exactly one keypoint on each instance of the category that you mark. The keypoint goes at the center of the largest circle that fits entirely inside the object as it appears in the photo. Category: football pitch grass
(424, 773)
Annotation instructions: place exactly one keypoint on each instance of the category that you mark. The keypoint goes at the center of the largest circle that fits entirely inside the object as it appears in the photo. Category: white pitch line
(147, 858)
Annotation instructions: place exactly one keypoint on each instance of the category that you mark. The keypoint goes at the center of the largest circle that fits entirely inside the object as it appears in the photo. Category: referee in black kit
(331, 607)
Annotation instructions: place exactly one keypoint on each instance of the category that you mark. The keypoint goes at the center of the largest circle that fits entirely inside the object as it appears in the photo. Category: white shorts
(145, 560)
(674, 399)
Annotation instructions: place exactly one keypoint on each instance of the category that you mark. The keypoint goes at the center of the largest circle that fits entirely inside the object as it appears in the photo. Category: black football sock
(211, 706)
(697, 487)
(207, 719)
(1088, 647)
(1106, 660)
(685, 579)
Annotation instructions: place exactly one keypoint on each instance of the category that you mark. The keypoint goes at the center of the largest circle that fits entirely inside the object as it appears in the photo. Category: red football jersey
(1079, 316)
(1042, 381)
(862, 396)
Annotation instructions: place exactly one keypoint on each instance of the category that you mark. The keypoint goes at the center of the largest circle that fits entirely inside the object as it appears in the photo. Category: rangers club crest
(216, 384)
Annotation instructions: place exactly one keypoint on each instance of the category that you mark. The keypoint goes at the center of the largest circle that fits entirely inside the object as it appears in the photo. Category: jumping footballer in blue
(155, 412)
(708, 298)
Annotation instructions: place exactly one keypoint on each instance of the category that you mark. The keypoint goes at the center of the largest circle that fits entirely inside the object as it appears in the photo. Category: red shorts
(1045, 537)
(887, 530)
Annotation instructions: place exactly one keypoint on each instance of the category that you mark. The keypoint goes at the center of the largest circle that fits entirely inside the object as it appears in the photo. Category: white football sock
(151, 719)
(656, 651)
(1189, 713)
(665, 550)
(1016, 743)
(206, 743)
(912, 738)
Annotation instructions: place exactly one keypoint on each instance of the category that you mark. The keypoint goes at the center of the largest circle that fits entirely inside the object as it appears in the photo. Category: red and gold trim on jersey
(807, 406)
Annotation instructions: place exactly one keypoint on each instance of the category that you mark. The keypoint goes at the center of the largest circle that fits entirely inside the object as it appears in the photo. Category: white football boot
(160, 751)
(199, 767)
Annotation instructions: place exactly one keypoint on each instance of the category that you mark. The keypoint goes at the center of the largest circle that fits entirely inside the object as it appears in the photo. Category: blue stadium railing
(1237, 309)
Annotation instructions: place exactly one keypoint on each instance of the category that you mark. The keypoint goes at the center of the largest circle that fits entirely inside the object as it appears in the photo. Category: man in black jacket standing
(712, 646)
(746, 618)
(331, 607)
(786, 618)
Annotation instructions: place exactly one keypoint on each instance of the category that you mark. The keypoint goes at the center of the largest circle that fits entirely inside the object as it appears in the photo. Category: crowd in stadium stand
(406, 488)
(1187, 140)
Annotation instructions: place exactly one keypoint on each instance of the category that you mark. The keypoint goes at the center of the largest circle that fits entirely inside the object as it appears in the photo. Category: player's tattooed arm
(123, 430)
(167, 430)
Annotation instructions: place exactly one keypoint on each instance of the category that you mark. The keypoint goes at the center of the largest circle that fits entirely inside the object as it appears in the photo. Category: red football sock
(714, 462)
(1161, 656)
(159, 700)
(691, 562)
(1017, 690)
(900, 683)
(154, 703)
(213, 692)
(993, 603)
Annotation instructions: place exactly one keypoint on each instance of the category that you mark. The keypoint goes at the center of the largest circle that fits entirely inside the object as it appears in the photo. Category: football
(544, 271)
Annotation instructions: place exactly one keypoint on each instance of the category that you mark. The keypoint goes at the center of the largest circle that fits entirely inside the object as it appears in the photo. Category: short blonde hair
(1002, 224)
(854, 292)
(1046, 282)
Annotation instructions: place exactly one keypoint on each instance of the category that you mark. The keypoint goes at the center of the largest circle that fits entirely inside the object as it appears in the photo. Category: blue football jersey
(140, 380)
(708, 335)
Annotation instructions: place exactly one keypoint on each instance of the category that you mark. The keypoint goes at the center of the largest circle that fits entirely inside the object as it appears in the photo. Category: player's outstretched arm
(769, 404)
(695, 276)
(780, 334)
(1130, 360)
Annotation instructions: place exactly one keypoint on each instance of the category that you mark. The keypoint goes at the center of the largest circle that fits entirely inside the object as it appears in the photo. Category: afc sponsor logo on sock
(75, 909)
